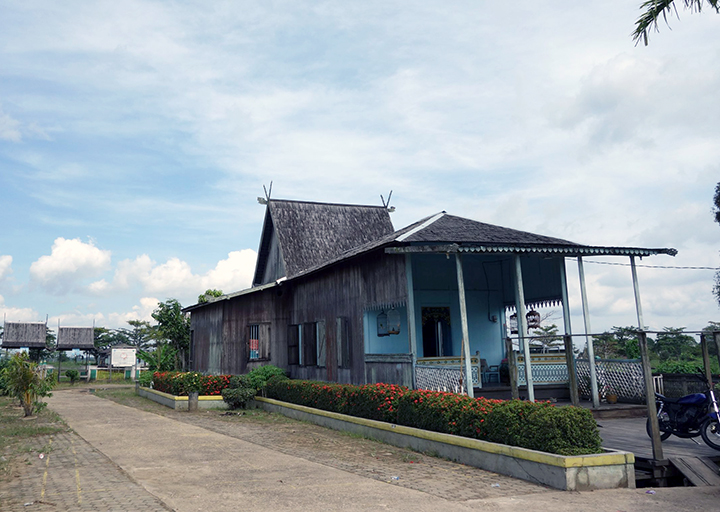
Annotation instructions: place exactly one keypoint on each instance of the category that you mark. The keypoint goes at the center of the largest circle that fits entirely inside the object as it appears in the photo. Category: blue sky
(135, 138)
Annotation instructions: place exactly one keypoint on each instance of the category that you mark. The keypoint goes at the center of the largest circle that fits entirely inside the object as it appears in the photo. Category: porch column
(464, 324)
(590, 348)
(522, 326)
(412, 336)
(636, 290)
(569, 355)
(647, 371)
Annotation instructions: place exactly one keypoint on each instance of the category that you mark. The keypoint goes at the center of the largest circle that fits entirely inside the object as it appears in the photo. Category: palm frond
(653, 9)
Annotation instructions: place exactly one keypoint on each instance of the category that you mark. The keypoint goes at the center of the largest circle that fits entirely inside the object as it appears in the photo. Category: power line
(650, 266)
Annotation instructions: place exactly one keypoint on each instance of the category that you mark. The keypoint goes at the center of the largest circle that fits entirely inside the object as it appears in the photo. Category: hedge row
(174, 383)
(535, 425)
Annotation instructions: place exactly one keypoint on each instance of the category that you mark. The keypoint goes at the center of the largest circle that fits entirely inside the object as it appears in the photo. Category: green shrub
(542, 426)
(24, 380)
(677, 367)
(73, 375)
(539, 426)
(192, 382)
(259, 376)
(238, 398)
(145, 379)
(239, 381)
(175, 383)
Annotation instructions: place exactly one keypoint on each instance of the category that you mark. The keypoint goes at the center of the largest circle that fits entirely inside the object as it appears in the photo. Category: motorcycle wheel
(710, 432)
(664, 434)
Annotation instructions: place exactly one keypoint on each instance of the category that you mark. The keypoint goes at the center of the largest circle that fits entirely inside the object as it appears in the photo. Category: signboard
(123, 357)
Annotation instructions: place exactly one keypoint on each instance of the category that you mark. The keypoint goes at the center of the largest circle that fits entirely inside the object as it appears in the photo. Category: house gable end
(270, 265)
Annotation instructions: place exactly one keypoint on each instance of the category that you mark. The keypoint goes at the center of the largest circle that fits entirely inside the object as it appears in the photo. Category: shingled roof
(24, 334)
(309, 234)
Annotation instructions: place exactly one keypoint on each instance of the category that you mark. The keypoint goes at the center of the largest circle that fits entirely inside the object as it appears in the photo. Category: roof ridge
(325, 203)
(420, 227)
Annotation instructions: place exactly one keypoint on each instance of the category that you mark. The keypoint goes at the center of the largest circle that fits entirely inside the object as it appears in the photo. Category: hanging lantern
(393, 321)
(513, 324)
(533, 319)
(382, 324)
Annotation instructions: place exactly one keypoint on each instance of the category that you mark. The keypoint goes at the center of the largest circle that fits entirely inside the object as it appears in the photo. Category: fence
(621, 377)
(440, 378)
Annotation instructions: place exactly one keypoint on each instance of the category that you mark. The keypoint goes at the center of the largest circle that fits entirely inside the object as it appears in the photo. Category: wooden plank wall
(343, 290)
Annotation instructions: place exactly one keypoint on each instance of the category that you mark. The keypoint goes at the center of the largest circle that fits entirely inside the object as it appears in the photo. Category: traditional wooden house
(339, 295)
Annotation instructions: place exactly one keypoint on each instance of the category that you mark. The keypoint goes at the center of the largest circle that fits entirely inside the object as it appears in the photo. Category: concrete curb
(181, 402)
(610, 470)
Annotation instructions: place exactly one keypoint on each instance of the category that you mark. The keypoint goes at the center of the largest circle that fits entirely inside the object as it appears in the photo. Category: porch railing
(445, 373)
(621, 377)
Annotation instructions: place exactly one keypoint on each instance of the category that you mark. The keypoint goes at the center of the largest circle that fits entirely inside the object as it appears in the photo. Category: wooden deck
(628, 434)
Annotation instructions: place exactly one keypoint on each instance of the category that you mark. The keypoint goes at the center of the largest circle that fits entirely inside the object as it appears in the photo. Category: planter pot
(193, 401)
(611, 398)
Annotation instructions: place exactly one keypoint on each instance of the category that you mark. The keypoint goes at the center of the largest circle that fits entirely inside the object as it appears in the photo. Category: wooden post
(512, 368)
(59, 363)
(464, 325)
(567, 339)
(650, 396)
(594, 395)
(522, 326)
(412, 335)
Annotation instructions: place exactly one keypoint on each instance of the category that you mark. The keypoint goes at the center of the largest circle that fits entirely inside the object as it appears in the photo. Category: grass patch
(16, 433)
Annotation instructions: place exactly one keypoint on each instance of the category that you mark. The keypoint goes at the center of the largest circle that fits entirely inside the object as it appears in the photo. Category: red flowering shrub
(174, 383)
(535, 425)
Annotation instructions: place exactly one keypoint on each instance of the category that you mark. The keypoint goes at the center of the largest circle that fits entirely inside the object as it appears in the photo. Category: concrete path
(189, 468)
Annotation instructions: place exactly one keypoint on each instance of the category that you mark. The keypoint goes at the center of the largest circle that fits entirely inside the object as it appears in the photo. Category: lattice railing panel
(544, 373)
(440, 378)
(623, 378)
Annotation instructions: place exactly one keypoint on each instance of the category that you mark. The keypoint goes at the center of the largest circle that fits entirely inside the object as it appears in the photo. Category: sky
(136, 136)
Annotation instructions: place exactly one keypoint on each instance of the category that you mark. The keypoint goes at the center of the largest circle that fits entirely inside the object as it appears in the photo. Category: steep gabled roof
(309, 234)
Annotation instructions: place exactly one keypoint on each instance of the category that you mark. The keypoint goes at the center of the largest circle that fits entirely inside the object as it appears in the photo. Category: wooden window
(320, 336)
(293, 344)
(342, 342)
(308, 343)
(258, 336)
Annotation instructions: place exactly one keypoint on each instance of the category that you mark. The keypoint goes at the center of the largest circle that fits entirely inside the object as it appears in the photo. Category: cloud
(175, 277)
(69, 262)
(17, 314)
(5, 266)
(9, 128)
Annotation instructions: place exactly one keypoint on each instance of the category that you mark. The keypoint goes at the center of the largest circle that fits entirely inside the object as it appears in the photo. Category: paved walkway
(127, 459)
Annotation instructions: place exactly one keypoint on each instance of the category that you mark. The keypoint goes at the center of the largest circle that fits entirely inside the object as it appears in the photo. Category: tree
(105, 338)
(142, 334)
(653, 9)
(24, 379)
(675, 345)
(174, 326)
(549, 337)
(162, 359)
(209, 293)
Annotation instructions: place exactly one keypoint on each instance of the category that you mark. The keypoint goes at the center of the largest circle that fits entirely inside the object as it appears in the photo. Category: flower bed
(174, 383)
(534, 425)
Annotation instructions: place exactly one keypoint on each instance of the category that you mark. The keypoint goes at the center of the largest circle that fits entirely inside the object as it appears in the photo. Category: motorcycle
(693, 415)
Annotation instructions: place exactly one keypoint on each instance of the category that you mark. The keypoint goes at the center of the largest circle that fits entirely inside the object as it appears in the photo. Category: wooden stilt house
(339, 295)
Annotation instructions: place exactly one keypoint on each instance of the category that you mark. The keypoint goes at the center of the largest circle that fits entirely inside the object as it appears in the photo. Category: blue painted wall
(435, 285)
(393, 344)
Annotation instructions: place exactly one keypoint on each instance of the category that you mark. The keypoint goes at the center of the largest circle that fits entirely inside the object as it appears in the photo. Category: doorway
(436, 334)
